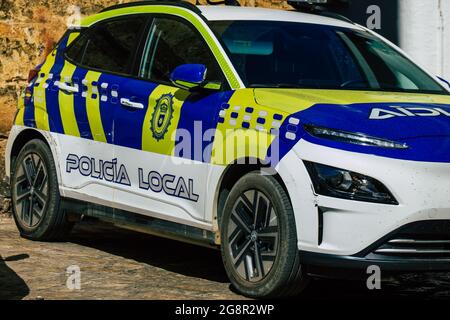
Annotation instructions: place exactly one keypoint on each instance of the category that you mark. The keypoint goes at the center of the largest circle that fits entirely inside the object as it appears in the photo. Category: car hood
(420, 121)
(395, 116)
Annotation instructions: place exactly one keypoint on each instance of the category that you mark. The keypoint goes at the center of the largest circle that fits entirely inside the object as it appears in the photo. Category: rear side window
(108, 46)
(171, 43)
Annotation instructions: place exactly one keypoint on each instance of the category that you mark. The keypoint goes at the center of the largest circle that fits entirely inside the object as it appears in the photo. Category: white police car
(292, 141)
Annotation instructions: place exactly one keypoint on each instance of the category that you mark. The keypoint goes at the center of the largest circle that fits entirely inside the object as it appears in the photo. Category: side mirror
(444, 81)
(191, 77)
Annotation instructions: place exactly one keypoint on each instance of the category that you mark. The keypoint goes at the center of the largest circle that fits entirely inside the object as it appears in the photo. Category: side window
(108, 46)
(171, 43)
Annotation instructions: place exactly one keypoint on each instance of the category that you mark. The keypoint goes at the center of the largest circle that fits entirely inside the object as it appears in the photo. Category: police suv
(295, 142)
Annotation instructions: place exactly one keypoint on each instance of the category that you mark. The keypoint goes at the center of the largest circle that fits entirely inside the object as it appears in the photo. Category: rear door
(156, 116)
(96, 68)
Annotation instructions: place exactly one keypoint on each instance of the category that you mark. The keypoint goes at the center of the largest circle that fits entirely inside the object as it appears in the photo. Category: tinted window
(108, 46)
(172, 43)
(298, 55)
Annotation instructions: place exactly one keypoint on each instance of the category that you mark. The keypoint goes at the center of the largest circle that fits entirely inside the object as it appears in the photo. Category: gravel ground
(120, 264)
(114, 264)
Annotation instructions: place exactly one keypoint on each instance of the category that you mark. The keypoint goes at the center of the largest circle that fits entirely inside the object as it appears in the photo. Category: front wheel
(35, 194)
(259, 239)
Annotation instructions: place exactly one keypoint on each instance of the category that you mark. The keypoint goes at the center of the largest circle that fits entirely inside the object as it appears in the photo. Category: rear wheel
(35, 194)
(259, 239)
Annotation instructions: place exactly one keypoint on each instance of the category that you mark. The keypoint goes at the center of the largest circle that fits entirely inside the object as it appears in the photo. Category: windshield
(298, 55)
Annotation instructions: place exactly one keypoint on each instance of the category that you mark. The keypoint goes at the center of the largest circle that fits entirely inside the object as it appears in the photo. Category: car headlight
(354, 138)
(341, 183)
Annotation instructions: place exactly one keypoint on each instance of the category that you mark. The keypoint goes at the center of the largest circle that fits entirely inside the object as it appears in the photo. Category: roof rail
(233, 3)
(335, 16)
(178, 3)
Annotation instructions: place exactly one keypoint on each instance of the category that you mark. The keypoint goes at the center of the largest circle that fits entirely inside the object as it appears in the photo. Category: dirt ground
(119, 264)
(114, 264)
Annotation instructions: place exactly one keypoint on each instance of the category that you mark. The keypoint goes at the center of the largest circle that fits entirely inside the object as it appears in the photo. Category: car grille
(421, 240)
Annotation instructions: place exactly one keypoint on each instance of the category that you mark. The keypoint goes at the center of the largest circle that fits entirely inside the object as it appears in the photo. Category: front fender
(303, 199)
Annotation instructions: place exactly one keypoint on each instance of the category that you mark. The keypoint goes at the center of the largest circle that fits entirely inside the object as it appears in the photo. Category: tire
(36, 201)
(260, 254)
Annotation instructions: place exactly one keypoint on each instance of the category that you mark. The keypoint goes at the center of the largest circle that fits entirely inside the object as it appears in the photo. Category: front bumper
(418, 246)
(340, 227)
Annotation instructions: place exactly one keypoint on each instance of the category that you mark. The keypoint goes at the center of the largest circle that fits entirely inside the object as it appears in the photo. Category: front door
(155, 118)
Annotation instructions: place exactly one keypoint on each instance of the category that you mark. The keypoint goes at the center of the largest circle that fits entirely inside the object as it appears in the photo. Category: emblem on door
(162, 116)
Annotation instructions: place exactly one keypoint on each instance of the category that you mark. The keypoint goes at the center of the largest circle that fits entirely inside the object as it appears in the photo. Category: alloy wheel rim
(253, 236)
(31, 191)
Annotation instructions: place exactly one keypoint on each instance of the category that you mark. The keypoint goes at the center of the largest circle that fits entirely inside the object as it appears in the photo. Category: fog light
(345, 184)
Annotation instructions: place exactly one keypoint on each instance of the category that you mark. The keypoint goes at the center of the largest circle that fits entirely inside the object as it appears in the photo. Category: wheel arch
(232, 173)
(19, 137)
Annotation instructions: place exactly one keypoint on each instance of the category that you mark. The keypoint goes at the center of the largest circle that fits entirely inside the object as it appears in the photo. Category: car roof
(216, 13)
(224, 13)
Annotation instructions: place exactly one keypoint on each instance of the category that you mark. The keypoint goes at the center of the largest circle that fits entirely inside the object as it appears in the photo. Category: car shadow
(411, 286)
(204, 263)
(174, 256)
(12, 287)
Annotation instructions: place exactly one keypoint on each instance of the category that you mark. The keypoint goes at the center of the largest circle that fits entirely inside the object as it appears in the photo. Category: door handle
(131, 104)
(65, 87)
